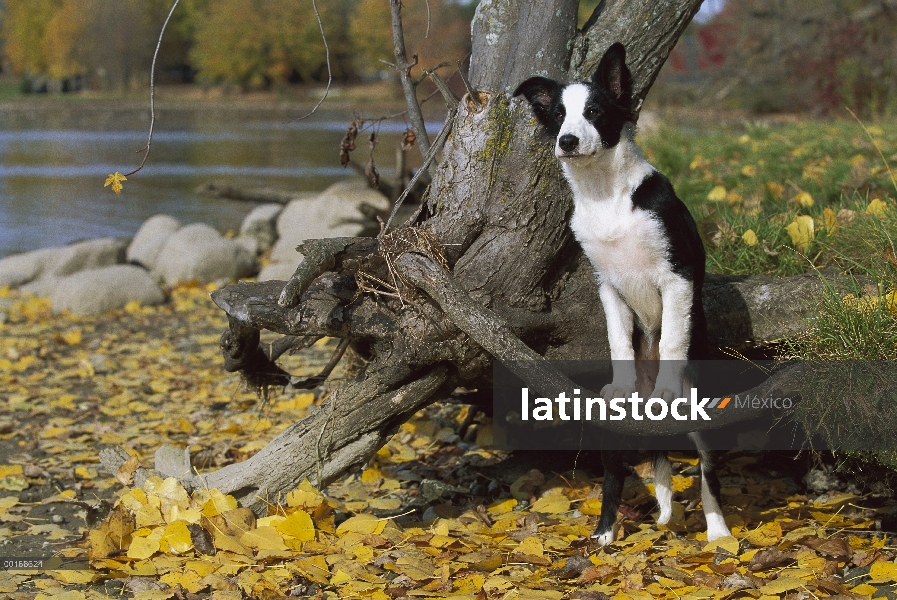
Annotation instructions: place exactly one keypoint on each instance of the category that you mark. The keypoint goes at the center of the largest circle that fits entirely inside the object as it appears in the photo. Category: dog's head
(587, 117)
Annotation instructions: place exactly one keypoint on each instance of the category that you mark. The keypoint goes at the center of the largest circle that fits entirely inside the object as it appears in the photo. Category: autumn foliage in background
(248, 43)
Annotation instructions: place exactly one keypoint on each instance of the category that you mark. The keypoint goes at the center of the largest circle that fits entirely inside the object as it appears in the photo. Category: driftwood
(488, 270)
(218, 189)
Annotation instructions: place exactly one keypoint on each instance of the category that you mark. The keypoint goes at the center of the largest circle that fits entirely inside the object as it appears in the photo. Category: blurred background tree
(755, 55)
(789, 56)
(61, 45)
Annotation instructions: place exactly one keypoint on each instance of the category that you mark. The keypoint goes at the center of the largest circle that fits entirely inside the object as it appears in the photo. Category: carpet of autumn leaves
(438, 513)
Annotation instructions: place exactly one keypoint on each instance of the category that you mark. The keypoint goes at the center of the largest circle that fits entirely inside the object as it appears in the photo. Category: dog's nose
(568, 142)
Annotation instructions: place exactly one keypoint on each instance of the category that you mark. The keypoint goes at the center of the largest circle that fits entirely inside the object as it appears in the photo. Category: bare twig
(404, 69)
(314, 381)
(470, 91)
(149, 141)
(428, 160)
(314, 5)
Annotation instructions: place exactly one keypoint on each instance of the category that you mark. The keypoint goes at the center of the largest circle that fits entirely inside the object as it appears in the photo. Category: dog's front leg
(620, 321)
(675, 336)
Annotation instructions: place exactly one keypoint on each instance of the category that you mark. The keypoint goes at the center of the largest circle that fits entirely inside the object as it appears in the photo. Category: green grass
(764, 172)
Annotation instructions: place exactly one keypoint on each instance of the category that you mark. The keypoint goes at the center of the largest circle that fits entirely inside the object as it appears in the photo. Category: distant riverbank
(55, 153)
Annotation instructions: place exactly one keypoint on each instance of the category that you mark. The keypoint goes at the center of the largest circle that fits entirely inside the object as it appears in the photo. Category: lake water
(55, 156)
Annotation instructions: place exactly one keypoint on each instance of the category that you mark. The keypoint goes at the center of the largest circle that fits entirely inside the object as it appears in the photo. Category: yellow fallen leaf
(500, 507)
(363, 524)
(749, 237)
(7, 470)
(218, 503)
(767, 534)
(680, 484)
(176, 538)
(532, 546)
(801, 230)
(591, 506)
(385, 503)
(717, 194)
(831, 221)
(727, 543)
(305, 496)
(877, 208)
(263, 538)
(59, 595)
(883, 570)
(72, 338)
(143, 547)
(298, 525)
(749, 170)
(804, 199)
(776, 190)
(340, 578)
(551, 504)
(73, 576)
(782, 585)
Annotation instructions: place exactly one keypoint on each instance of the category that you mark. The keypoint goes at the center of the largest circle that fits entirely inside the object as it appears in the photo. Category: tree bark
(491, 271)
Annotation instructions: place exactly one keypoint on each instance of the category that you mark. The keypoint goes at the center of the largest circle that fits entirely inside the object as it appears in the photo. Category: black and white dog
(647, 255)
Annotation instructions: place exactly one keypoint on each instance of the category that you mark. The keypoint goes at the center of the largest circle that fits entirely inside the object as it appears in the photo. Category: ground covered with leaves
(438, 513)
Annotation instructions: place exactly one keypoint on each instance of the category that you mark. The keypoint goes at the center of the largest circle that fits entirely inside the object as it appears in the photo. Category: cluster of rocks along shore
(93, 276)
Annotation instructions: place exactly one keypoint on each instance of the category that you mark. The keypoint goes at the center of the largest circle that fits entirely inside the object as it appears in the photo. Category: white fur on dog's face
(573, 99)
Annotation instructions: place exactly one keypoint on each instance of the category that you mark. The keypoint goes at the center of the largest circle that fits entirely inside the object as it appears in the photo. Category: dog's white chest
(627, 249)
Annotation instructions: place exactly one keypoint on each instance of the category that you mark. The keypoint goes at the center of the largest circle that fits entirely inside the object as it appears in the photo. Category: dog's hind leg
(611, 491)
(710, 491)
(663, 487)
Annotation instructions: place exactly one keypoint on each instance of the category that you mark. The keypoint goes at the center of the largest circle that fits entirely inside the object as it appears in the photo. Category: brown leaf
(574, 566)
(832, 587)
(722, 569)
(348, 143)
(375, 540)
(737, 581)
(705, 579)
(792, 525)
(370, 171)
(518, 557)
(836, 548)
(125, 473)
(202, 539)
(589, 596)
(595, 573)
(408, 139)
(483, 515)
(769, 558)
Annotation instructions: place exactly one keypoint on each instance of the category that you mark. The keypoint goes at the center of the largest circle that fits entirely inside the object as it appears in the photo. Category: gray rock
(89, 254)
(199, 252)
(95, 291)
(250, 243)
(261, 224)
(20, 269)
(277, 272)
(150, 239)
(333, 213)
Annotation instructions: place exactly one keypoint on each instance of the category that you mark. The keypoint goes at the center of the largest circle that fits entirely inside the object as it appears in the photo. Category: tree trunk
(491, 270)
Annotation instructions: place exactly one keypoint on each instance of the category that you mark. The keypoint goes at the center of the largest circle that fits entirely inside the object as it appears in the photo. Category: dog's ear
(613, 74)
(541, 92)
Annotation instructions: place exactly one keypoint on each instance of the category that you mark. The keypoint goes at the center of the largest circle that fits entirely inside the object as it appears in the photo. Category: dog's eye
(591, 113)
(559, 114)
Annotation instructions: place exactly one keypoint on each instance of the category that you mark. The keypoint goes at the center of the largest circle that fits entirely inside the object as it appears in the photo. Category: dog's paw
(603, 538)
(617, 390)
